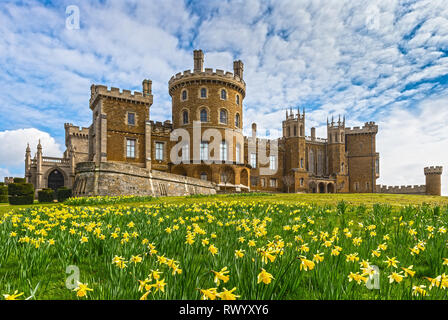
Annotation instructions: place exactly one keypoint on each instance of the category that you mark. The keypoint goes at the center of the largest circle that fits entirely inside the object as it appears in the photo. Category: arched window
(203, 92)
(237, 120)
(301, 131)
(204, 116)
(223, 116)
(237, 99)
(342, 167)
(204, 176)
(295, 131)
(185, 117)
(223, 94)
(289, 132)
(184, 95)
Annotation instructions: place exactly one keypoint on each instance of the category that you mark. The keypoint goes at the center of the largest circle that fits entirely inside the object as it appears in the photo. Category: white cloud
(14, 144)
(409, 140)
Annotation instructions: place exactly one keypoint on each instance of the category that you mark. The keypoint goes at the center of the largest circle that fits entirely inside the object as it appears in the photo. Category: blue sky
(382, 61)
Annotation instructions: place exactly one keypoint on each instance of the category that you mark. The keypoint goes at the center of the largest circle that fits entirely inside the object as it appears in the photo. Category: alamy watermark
(72, 21)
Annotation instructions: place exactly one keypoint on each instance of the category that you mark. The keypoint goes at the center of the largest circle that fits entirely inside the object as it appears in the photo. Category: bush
(45, 195)
(63, 194)
(19, 180)
(3, 194)
(21, 193)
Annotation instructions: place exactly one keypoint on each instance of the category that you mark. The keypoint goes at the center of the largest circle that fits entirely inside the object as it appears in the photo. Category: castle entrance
(55, 180)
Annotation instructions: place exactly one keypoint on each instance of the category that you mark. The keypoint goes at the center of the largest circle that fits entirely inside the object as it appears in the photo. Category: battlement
(433, 170)
(9, 180)
(101, 90)
(218, 74)
(161, 127)
(76, 131)
(415, 189)
(316, 139)
(369, 127)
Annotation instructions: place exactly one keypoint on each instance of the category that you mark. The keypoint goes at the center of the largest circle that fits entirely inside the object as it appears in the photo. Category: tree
(226, 176)
(288, 181)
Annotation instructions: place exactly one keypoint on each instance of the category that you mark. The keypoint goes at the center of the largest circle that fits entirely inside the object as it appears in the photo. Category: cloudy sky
(382, 61)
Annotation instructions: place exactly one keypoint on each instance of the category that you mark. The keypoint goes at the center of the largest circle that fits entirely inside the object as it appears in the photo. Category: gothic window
(273, 183)
(185, 117)
(223, 94)
(301, 162)
(342, 167)
(237, 99)
(311, 162)
(223, 116)
(203, 92)
(237, 120)
(204, 116)
(295, 131)
(184, 95)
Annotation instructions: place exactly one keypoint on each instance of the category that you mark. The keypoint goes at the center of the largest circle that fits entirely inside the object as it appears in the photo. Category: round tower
(434, 180)
(211, 100)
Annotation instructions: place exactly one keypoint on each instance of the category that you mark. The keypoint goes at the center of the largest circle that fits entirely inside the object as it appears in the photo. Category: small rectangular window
(253, 160)
(204, 150)
(273, 183)
(131, 118)
(159, 150)
(130, 148)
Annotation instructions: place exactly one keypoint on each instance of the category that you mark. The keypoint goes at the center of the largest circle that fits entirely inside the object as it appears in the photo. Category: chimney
(147, 87)
(198, 56)
(313, 133)
(238, 68)
(254, 130)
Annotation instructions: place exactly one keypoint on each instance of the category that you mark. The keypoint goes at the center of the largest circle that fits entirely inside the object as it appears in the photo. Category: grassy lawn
(368, 199)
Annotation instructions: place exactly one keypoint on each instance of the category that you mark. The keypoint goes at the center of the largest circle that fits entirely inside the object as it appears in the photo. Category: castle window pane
(184, 95)
(237, 120)
(253, 160)
(273, 183)
(204, 150)
(223, 116)
(223, 94)
(185, 117)
(185, 153)
(238, 153)
(204, 116)
(237, 99)
(159, 150)
(204, 176)
(273, 162)
(223, 151)
(203, 93)
(295, 131)
(131, 118)
(130, 148)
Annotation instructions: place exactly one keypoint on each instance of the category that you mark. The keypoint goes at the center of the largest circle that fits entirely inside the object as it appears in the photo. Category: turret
(294, 124)
(433, 180)
(27, 162)
(337, 162)
(147, 87)
(198, 57)
(238, 68)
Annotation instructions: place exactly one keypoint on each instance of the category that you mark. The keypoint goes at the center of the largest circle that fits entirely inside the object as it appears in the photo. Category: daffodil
(264, 277)
(221, 275)
(81, 290)
(227, 294)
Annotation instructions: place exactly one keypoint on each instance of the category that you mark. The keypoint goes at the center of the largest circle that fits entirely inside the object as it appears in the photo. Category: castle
(203, 149)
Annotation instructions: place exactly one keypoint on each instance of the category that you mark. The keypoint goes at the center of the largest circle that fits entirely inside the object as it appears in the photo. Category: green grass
(284, 221)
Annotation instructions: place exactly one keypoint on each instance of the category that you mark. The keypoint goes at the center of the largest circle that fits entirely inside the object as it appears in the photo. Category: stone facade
(124, 152)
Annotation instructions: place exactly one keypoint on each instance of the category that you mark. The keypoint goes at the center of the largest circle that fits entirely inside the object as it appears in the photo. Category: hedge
(63, 194)
(19, 180)
(21, 193)
(3, 194)
(45, 195)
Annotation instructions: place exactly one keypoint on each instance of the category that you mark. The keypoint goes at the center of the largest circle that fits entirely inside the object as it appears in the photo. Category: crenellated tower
(295, 157)
(433, 180)
(337, 161)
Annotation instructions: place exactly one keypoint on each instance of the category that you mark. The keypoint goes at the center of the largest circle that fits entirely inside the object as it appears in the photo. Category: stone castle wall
(117, 179)
(416, 189)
